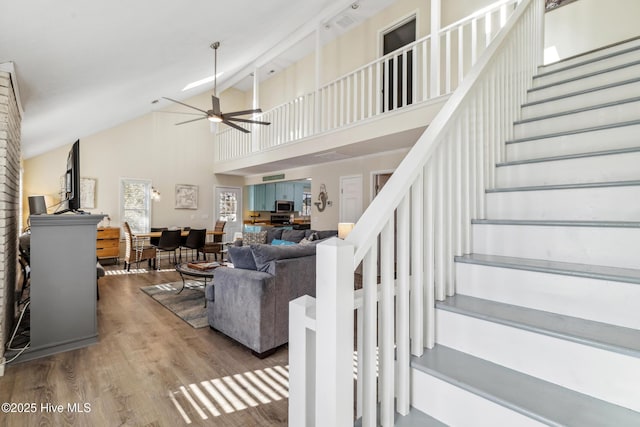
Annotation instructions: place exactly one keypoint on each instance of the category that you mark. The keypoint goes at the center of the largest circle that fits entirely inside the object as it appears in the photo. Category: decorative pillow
(274, 233)
(254, 238)
(264, 254)
(242, 257)
(277, 242)
(293, 235)
(306, 241)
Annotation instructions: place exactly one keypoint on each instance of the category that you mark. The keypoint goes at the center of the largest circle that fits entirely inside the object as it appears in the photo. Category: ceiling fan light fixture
(214, 119)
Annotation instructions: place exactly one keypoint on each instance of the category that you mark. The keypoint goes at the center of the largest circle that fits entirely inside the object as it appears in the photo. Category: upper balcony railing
(414, 74)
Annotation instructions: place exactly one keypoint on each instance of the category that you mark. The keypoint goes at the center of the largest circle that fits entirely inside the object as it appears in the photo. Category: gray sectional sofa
(250, 302)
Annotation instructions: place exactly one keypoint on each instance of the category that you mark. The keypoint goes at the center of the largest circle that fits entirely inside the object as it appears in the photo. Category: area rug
(187, 305)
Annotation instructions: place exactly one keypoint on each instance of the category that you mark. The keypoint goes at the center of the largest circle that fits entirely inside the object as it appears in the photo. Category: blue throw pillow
(242, 257)
(279, 242)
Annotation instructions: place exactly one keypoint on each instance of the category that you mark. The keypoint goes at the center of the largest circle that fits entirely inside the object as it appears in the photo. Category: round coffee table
(185, 270)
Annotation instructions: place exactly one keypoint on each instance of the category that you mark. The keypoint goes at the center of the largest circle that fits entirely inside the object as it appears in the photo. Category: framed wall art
(186, 196)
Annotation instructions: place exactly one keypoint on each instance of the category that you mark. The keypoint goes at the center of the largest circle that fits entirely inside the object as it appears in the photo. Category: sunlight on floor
(137, 271)
(221, 396)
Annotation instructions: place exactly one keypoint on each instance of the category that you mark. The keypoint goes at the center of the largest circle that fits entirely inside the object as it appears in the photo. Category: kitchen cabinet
(284, 191)
(257, 194)
(270, 196)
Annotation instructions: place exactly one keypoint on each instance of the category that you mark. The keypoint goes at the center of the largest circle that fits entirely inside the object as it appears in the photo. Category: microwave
(284, 206)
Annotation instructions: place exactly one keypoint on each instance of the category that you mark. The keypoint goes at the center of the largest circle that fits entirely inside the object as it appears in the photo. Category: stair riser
(593, 299)
(608, 246)
(577, 204)
(619, 75)
(604, 168)
(568, 122)
(579, 71)
(589, 56)
(559, 361)
(444, 401)
(587, 99)
(586, 142)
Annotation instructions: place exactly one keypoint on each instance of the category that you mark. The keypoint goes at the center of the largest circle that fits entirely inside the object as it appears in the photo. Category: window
(135, 204)
(228, 206)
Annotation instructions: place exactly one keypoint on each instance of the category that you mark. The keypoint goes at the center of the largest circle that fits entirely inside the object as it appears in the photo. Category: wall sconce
(155, 195)
(344, 228)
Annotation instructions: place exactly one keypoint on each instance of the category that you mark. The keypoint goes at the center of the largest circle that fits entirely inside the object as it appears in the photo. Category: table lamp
(344, 228)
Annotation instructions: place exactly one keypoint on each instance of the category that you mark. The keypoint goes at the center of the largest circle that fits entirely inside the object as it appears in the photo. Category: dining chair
(155, 240)
(136, 250)
(169, 242)
(195, 240)
(215, 247)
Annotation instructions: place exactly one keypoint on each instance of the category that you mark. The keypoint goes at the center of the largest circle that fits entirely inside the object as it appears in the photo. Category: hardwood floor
(145, 360)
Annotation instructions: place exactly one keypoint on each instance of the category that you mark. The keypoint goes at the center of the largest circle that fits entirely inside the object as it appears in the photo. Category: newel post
(334, 333)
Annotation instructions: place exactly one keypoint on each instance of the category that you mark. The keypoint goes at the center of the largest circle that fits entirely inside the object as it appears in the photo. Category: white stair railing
(360, 94)
(406, 241)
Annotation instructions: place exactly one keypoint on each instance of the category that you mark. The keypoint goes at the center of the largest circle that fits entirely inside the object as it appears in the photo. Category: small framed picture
(186, 196)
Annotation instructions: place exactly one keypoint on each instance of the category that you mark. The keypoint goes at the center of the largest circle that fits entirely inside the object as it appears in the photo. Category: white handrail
(435, 192)
(365, 93)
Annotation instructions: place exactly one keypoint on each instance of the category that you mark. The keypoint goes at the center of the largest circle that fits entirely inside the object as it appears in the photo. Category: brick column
(9, 204)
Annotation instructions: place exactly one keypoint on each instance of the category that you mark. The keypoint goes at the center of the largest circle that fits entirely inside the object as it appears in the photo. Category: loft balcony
(382, 106)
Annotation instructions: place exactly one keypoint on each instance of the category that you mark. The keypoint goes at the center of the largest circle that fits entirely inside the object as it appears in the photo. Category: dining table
(183, 233)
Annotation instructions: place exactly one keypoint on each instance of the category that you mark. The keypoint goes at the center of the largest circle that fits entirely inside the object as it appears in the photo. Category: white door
(350, 198)
(228, 207)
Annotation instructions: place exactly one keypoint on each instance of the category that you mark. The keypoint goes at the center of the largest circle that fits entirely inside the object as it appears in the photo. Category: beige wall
(584, 25)
(149, 147)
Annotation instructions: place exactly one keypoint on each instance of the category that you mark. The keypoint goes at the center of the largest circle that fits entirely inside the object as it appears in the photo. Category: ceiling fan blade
(257, 122)
(235, 126)
(192, 120)
(186, 105)
(215, 102)
(178, 112)
(243, 113)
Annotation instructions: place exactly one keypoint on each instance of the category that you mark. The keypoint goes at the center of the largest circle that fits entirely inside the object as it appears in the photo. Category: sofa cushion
(264, 254)
(242, 257)
(277, 242)
(254, 238)
(273, 233)
(293, 235)
(326, 234)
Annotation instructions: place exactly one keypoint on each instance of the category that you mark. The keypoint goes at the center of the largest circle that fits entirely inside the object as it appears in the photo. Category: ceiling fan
(215, 114)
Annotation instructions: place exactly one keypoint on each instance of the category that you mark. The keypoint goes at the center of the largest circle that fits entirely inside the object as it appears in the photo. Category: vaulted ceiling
(85, 66)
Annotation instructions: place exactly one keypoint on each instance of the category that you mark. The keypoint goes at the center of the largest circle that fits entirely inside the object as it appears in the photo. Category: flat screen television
(72, 180)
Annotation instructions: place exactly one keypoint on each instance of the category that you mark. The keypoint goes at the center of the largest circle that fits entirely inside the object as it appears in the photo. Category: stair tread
(600, 272)
(415, 418)
(588, 332)
(566, 186)
(584, 76)
(558, 223)
(578, 110)
(591, 60)
(581, 92)
(574, 131)
(613, 152)
(538, 399)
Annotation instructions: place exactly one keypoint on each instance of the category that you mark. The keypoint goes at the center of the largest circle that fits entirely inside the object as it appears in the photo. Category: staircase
(544, 328)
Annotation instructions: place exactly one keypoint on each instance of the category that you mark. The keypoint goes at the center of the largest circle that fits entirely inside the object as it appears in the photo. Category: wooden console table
(108, 243)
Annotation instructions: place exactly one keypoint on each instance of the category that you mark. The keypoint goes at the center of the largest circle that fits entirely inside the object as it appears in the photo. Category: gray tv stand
(63, 283)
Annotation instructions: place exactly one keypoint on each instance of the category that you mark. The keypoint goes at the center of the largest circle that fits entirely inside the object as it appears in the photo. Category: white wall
(585, 25)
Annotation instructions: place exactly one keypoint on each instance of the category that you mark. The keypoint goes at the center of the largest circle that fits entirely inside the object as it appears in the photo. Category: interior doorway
(393, 39)
(350, 198)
